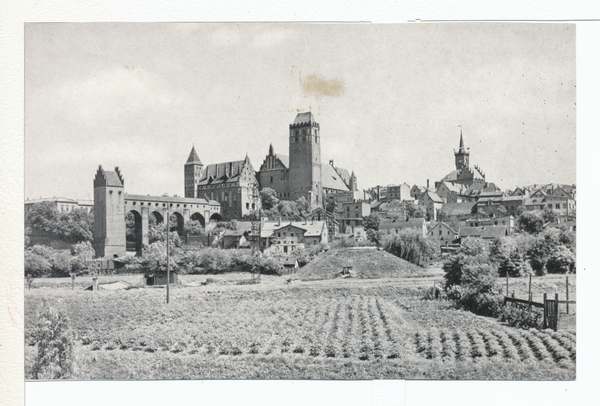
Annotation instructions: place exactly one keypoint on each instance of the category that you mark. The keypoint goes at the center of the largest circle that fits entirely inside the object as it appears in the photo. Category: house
(399, 192)
(351, 214)
(442, 233)
(432, 203)
(238, 238)
(451, 192)
(485, 232)
(507, 221)
(457, 211)
(289, 237)
(390, 226)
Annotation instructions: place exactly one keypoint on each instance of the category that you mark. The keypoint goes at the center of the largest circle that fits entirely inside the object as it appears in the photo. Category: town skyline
(135, 96)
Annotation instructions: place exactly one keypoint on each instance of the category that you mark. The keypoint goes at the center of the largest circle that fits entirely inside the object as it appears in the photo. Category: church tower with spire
(192, 173)
(461, 157)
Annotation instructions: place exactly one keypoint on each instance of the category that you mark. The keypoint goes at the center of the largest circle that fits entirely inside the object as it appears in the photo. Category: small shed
(160, 278)
(290, 265)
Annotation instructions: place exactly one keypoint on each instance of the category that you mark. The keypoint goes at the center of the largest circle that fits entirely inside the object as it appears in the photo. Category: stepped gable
(108, 178)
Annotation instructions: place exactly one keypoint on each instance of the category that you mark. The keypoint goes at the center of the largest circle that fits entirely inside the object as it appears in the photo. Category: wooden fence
(551, 313)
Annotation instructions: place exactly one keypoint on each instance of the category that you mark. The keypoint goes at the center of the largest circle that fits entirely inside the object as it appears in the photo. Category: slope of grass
(367, 263)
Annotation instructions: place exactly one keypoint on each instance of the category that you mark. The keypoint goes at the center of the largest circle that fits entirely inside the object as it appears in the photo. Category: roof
(225, 172)
(433, 196)
(387, 224)
(193, 158)
(290, 262)
(169, 199)
(285, 160)
(311, 228)
(440, 224)
(493, 232)
(304, 118)
(458, 209)
(332, 179)
(451, 176)
(241, 228)
(483, 232)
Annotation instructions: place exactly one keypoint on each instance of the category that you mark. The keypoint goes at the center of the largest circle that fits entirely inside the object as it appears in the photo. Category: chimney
(427, 183)
(279, 221)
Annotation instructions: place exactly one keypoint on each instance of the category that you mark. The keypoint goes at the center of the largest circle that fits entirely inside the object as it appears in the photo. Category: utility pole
(168, 268)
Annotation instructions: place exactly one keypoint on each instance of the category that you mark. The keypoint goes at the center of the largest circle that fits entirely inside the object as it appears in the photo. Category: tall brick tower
(461, 158)
(305, 160)
(192, 173)
(109, 213)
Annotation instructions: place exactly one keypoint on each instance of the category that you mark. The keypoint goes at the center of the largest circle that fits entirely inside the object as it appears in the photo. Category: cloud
(270, 38)
(317, 86)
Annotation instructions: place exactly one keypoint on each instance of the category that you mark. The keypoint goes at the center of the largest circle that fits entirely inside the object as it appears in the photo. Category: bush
(454, 266)
(518, 315)
(411, 246)
(561, 260)
(54, 359)
(515, 265)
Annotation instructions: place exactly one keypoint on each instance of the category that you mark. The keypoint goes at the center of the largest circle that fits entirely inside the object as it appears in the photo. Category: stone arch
(135, 240)
(198, 217)
(178, 217)
(216, 217)
(158, 217)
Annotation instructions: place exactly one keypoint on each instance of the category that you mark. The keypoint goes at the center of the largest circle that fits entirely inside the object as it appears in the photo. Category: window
(271, 179)
(558, 205)
(440, 232)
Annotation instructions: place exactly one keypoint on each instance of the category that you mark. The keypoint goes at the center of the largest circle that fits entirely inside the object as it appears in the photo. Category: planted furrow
(553, 346)
(367, 346)
(537, 346)
(421, 344)
(566, 343)
(463, 346)
(380, 341)
(351, 342)
(333, 347)
(434, 344)
(509, 350)
(477, 345)
(522, 346)
(448, 345)
(392, 329)
(494, 349)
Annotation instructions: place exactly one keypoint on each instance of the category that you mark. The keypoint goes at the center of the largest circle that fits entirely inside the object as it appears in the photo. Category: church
(235, 184)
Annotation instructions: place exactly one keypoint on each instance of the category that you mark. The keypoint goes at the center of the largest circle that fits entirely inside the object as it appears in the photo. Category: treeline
(73, 226)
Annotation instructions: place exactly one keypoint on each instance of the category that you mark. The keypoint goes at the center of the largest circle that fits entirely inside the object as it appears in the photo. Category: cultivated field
(350, 329)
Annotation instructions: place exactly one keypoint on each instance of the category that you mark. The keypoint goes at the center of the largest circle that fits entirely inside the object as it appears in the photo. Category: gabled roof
(284, 159)
(193, 159)
(494, 232)
(458, 209)
(451, 176)
(332, 179)
(225, 172)
(441, 224)
(470, 232)
(432, 196)
(387, 224)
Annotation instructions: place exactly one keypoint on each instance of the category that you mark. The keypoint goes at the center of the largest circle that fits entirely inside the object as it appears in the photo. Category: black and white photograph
(300, 201)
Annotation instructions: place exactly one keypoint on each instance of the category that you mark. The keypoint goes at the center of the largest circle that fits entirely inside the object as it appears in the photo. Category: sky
(389, 99)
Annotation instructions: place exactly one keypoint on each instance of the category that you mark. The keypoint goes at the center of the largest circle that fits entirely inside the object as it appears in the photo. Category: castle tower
(461, 158)
(305, 160)
(192, 173)
(109, 213)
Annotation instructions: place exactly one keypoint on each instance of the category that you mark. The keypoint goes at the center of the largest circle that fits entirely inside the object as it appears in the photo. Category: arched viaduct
(111, 206)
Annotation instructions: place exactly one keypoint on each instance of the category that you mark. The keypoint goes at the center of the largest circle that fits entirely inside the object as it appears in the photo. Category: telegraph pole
(168, 268)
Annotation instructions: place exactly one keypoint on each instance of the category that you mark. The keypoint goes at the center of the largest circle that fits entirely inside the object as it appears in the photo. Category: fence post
(530, 300)
(506, 283)
(530, 289)
(556, 312)
(545, 312)
(567, 295)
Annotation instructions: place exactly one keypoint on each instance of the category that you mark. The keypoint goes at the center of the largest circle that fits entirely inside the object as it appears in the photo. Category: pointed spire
(462, 144)
(193, 158)
(271, 151)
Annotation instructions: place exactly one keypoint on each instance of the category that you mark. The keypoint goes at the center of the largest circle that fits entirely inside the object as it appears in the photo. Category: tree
(562, 260)
(36, 265)
(411, 246)
(194, 227)
(531, 222)
(331, 203)
(412, 210)
(268, 199)
(82, 253)
(73, 226)
(549, 215)
(371, 222)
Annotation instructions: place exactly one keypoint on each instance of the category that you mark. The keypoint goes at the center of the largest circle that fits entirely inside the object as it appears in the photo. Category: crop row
(349, 327)
(495, 345)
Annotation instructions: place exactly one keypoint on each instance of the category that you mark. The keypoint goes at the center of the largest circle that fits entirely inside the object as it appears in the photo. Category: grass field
(340, 329)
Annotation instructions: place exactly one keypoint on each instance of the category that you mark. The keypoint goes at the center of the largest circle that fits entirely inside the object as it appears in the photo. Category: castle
(235, 184)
